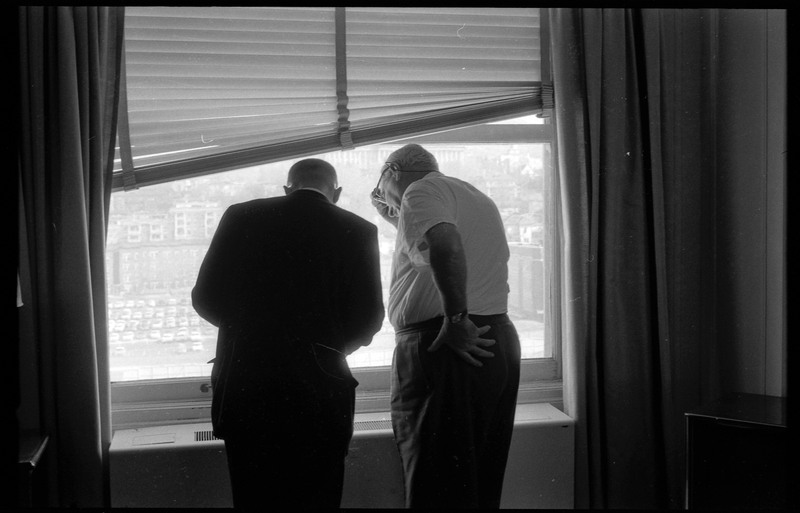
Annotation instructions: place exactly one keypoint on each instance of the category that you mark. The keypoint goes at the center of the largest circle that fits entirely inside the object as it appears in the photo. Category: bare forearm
(449, 266)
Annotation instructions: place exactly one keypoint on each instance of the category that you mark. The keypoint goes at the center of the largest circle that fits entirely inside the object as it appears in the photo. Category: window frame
(184, 400)
(176, 400)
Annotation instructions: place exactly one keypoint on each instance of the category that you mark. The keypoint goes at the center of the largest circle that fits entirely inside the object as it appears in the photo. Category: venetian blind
(209, 89)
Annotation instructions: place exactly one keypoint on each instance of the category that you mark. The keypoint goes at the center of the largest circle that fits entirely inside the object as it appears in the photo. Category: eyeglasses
(377, 193)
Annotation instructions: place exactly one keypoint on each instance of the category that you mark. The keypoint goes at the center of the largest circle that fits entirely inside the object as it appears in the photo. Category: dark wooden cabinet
(738, 454)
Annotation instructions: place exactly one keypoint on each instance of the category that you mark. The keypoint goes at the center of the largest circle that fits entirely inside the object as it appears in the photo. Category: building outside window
(514, 175)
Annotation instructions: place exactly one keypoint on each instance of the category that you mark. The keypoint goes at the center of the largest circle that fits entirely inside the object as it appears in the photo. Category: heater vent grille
(205, 436)
(369, 425)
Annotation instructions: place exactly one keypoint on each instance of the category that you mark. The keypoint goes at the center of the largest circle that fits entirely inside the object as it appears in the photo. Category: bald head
(313, 174)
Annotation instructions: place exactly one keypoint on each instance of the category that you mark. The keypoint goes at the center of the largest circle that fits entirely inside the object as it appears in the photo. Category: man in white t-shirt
(455, 372)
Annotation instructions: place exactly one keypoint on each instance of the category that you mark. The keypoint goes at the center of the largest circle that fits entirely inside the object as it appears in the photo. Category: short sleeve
(425, 204)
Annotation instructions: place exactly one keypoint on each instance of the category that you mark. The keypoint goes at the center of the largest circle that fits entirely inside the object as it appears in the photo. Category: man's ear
(336, 193)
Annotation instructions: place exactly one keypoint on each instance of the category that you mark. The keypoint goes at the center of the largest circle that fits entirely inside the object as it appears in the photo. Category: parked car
(168, 336)
(181, 348)
(119, 351)
(197, 346)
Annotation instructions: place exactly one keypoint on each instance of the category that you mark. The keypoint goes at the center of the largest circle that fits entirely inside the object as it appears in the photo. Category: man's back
(282, 274)
(431, 200)
(285, 265)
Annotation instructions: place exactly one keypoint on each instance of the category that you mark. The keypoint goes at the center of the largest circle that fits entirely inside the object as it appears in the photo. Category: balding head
(313, 174)
(409, 164)
(413, 157)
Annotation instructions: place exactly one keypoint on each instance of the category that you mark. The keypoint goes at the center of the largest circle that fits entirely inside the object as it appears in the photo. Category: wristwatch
(458, 317)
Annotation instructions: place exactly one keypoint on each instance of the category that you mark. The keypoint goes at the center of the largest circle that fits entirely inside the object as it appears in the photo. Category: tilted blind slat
(454, 49)
(206, 80)
(212, 87)
(139, 13)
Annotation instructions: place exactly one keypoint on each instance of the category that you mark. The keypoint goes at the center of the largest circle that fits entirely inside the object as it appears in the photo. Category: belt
(436, 322)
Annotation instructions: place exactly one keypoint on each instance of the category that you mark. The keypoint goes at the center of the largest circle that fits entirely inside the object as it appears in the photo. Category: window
(181, 230)
(134, 233)
(156, 232)
(517, 175)
(510, 158)
(210, 224)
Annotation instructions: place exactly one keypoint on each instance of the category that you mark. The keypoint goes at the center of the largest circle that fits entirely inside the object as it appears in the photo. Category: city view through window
(158, 236)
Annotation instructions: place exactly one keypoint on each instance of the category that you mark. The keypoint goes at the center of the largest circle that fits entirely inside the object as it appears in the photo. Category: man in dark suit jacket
(293, 283)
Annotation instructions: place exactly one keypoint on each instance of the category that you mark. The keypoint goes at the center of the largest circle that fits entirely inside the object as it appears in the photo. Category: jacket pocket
(333, 365)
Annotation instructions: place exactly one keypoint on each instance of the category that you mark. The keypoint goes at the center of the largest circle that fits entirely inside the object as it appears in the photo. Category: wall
(751, 201)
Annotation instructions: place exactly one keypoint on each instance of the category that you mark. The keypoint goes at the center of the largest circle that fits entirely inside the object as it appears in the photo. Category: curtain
(69, 85)
(629, 176)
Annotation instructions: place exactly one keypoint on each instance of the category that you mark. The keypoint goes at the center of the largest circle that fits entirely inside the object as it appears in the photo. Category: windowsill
(132, 415)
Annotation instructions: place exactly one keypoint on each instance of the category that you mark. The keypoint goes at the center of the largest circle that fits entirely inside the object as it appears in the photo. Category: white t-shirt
(436, 198)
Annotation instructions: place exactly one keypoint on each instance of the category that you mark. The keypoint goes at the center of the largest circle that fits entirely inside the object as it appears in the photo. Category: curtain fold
(69, 76)
(620, 147)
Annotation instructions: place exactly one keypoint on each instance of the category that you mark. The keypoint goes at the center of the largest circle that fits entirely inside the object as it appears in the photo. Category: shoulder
(354, 221)
(432, 183)
(432, 188)
(255, 205)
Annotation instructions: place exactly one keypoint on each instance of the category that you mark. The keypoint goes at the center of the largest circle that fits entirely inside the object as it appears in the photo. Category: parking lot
(157, 320)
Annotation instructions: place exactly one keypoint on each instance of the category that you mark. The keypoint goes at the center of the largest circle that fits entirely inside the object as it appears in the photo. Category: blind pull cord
(345, 136)
(124, 133)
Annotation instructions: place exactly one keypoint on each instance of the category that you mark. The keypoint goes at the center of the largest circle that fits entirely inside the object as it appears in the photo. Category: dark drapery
(629, 150)
(69, 68)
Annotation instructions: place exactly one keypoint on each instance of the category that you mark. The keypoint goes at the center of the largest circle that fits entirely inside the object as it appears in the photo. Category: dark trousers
(271, 474)
(452, 421)
(287, 443)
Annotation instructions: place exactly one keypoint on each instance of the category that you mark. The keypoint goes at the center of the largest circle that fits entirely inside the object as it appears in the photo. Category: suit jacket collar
(310, 194)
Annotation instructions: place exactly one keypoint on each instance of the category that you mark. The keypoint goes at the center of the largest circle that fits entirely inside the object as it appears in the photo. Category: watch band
(456, 318)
